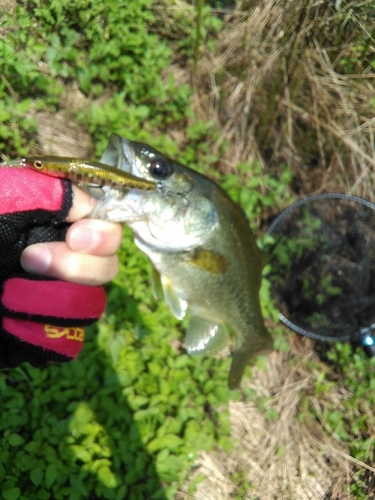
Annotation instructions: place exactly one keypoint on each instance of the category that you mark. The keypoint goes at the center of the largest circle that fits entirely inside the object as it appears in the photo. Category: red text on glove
(71, 333)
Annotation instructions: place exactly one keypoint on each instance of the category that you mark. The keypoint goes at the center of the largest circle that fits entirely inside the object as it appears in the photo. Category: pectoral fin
(157, 287)
(209, 261)
(205, 336)
(174, 298)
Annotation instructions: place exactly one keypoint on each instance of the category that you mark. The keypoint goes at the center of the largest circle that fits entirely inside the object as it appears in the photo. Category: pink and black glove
(42, 319)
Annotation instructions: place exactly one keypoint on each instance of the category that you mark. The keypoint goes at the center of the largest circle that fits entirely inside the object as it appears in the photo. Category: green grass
(130, 413)
(129, 417)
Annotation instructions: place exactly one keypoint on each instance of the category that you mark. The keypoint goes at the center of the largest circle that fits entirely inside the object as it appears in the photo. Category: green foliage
(22, 55)
(101, 46)
(99, 43)
(203, 23)
(16, 128)
(255, 188)
(243, 487)
(131, 412)
(359, 56)
(190, 29)
(198, 153)
(137, 121)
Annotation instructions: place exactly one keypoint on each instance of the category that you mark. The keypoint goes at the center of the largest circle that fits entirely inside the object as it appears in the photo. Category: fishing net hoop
(364, 334)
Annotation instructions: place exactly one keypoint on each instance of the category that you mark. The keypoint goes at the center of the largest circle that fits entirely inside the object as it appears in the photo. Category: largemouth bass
(201, 246)
(89, 172)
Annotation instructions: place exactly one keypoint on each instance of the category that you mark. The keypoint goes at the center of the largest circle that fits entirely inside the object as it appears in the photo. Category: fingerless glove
(42, 319)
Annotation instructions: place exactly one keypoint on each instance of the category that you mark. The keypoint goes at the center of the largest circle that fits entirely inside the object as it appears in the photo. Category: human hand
(40, 314)
(88, 254)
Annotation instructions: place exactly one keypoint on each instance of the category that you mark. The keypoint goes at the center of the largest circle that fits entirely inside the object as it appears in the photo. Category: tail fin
(242, 356)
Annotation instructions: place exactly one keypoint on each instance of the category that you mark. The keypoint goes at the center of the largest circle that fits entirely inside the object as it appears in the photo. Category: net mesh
(322, 268)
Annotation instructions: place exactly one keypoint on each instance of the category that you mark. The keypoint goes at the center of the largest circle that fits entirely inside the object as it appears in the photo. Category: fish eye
(38, 164)
(160, 169)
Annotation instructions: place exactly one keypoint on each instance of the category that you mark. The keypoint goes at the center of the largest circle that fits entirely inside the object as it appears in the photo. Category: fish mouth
(124, 155)
(129, 156)
(119, 153)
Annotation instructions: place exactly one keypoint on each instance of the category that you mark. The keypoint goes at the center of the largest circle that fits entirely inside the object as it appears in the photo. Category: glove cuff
(40, 318)
(66, 341)
(50, 301)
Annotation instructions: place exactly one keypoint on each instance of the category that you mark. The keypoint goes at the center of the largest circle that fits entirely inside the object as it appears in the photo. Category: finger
(93, 236)
(56, 260)
(83, 204)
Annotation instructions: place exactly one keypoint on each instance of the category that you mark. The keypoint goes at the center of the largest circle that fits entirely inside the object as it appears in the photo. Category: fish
(89, 172)
(202, 249)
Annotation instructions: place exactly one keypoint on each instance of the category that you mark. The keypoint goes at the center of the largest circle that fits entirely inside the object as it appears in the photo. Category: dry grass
(7, 6)
(277, 90)
(275, 87)
(287, 458)
(60, 134)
